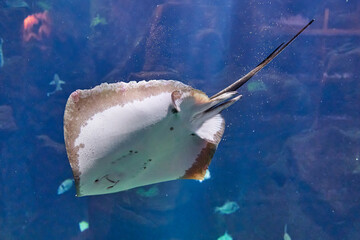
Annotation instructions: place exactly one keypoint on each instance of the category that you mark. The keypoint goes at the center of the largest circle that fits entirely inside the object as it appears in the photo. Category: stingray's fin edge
(198, 169)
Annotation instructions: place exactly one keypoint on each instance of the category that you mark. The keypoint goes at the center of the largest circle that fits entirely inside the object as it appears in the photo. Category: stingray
(124, 135)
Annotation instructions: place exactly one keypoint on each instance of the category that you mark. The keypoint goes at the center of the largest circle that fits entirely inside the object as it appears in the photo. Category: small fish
(228, 208)
(83, 225)
(65, 186)
(1, 53)
(44, 5)
(256, 86)
(57, 82)
(16, 4)
(151, 192)
(226, 236)
(98, 21)
(286, 235)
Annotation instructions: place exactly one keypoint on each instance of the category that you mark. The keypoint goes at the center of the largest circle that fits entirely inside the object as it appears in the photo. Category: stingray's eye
(174, 110)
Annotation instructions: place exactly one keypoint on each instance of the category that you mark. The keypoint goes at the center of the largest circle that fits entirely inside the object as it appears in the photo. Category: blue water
(291, 148)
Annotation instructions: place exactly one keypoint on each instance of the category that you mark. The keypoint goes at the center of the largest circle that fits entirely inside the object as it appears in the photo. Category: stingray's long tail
(277, 51)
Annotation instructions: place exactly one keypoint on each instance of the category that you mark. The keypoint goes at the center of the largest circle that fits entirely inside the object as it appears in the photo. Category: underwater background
(289, 160)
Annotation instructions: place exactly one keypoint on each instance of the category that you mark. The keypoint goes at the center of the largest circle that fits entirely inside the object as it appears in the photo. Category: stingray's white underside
(135, 145)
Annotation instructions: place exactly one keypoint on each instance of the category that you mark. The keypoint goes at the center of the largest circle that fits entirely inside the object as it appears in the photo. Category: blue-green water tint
(290, 152)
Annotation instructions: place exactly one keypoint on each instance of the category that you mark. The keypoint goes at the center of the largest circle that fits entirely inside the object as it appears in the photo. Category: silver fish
(226, 236)
(65, 186)
(228, 208)
(286, 235)
(57, 82)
